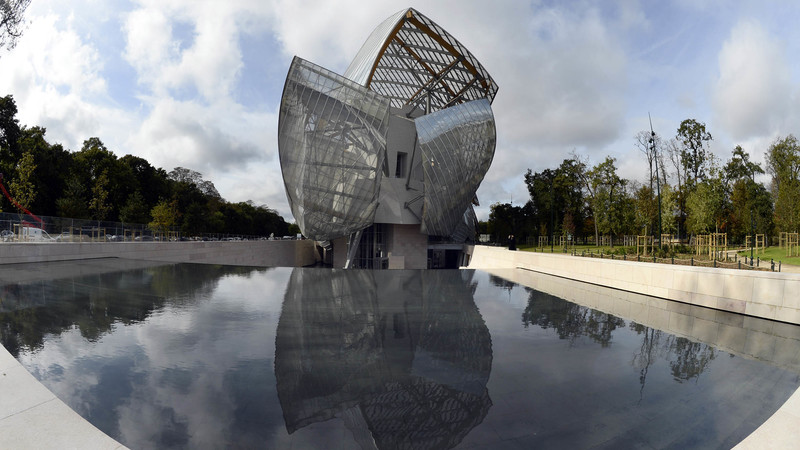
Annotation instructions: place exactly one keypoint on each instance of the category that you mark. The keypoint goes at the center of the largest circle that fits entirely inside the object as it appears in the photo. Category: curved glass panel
(332, 144)
(465, 230)
(360, 68)
(413, 61)
(457, 149)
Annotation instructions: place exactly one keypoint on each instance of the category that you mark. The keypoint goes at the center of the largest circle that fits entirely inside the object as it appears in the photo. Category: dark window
(400, 169)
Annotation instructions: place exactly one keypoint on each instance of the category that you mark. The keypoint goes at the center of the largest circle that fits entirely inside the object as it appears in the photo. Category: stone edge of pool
(766, 295)
(33, 417)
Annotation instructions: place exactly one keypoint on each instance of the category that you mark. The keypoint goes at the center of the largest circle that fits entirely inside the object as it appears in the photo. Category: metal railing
(27, 228)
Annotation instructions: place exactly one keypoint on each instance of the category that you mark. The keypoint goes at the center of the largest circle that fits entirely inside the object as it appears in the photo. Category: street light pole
(658, 179)
(752, 233)
(552, 210)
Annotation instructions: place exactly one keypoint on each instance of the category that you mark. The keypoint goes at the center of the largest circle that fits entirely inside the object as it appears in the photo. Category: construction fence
(29, 228)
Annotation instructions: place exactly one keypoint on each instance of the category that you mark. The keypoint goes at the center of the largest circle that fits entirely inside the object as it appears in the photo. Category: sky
(197, 83)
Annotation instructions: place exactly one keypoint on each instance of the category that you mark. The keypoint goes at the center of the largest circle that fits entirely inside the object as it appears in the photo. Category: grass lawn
(776, 253)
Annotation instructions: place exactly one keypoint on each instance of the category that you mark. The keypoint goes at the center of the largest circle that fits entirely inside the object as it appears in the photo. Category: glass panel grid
(457, 146)
(331, 143)
(397, 64)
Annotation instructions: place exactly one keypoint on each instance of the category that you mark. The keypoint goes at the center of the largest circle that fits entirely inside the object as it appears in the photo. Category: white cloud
(173, 81)
(752, 96)
(57, 84)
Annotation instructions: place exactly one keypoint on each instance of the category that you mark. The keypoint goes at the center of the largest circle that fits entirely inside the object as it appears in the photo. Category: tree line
(694, 191)
(93, 183)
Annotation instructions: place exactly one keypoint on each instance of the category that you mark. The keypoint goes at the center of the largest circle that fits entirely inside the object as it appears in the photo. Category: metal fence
(27, 228)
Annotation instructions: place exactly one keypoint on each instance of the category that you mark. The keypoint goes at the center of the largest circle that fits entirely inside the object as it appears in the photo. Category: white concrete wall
(750, 337)
(769, 295)
(243, 253)
(408, 248)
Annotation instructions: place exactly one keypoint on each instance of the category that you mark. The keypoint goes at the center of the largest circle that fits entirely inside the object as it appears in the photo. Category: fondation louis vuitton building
(381, 164)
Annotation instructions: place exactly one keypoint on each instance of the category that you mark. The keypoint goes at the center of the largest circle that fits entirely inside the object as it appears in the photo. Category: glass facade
(336, 142)
(332, 145)
(457, 149)
(413, 61)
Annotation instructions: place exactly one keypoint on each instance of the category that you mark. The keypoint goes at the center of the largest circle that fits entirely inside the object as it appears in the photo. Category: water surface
(201, 356)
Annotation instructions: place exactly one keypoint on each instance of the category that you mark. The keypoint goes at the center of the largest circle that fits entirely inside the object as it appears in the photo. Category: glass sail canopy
(413, 61)
(332, 145)
(457, 149)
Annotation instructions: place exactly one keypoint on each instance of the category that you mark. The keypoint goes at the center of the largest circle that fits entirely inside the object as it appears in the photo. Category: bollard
(740, 264)
(692, 260)
(715, 263)
(673, 260)
(771, 265)
(625, 256)
(758, 261)
(638, 259)
(654, 258)
(779, 265)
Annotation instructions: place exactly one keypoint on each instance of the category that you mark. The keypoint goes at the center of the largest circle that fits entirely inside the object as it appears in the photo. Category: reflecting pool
(201, 356)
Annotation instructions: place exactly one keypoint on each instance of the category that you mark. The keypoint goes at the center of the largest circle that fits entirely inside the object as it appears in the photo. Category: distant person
(512, 243)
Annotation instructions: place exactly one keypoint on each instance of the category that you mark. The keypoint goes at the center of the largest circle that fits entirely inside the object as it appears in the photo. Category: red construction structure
(22, 209)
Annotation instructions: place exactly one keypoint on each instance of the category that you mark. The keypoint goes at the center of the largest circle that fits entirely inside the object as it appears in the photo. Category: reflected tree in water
(687, 359)
(93, 303)
(501, 282)
(571, 321)
(649, 352)
(690, 358)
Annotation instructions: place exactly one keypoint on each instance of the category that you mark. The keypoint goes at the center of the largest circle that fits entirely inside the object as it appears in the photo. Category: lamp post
(752, 233)
(552, 208)
(658, 179)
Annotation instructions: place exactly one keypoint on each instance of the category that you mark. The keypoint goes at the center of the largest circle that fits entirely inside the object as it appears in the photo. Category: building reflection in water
(402, 356)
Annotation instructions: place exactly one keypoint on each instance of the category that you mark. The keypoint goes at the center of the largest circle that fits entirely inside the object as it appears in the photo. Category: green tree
(73, 204)
(783, 163)
(93, 160)
(669, 208)
(98, 205)
(610, 205)
(151, 182)
(705, 206)
(135, 209)
(504, 218)
(53, 164)
(9, 128)
(165, 215)
(183, 175)
(22, 187)
(694, 138)
(557, 202)
(646, 209)
(751, 209)
(751, 206)
(740, 166)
